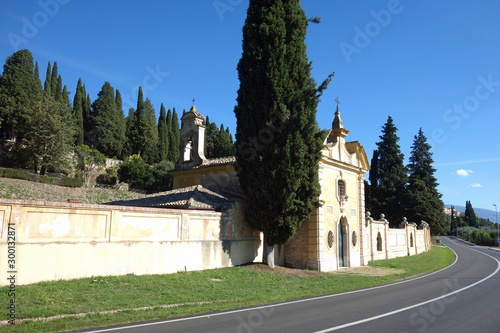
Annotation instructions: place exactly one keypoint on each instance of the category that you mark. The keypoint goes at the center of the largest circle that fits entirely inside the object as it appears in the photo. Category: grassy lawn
(219, 289)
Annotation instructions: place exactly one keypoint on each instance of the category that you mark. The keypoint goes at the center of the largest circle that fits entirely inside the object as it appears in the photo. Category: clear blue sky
(429, 64)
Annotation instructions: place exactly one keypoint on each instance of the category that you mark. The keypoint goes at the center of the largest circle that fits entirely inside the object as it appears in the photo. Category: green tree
(108, 125)
(78, 105)
(150, 150)
(20, 95)
(470, 215)
(129, 122)
(53, 81)
(392, 176)
(89, 161)
(371, 190)
(140, 127)
(424, 200)
(47, 83)
(136, 172)
(278, 141)
(49, 135)
(174, 138)
(162, 134)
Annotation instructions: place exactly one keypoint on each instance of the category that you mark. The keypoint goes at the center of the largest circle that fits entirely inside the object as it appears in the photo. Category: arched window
(379, 242)
(341, 187)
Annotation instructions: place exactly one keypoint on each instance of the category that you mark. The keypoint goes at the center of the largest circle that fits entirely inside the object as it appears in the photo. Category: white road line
(354, 323)
(271, 305)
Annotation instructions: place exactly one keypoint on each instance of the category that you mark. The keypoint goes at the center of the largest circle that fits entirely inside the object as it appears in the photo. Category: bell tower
(192, 140)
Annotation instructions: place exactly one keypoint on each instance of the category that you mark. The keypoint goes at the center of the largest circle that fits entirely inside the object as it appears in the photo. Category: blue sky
(429, 64)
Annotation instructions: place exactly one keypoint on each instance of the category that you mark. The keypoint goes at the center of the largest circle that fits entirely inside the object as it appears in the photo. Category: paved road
(465, 297)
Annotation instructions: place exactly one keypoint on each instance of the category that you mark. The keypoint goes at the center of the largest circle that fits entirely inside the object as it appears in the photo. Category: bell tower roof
(338, 129)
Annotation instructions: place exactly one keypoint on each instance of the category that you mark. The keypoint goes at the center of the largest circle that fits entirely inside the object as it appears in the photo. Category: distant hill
(483, 213)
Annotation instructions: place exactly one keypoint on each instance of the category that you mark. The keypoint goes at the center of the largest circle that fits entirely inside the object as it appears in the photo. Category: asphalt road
(464, 297)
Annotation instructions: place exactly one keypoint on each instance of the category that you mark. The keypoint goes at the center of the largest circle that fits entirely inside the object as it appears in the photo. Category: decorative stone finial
(382, 216)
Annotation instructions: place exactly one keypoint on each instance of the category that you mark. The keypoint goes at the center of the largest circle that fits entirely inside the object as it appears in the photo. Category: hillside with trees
(42, 130)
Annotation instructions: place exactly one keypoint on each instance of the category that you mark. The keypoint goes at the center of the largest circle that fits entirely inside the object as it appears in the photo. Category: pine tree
(278, 174)
(162, 134)
(392, 176)
(424, 200)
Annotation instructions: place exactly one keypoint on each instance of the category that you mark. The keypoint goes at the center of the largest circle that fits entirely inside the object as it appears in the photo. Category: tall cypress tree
(150, 155)
(424, 200)
(53, 80)
(36, 74)
(278, 140)
(47, 84)
(162, 134)
(108, 125)
(175, 137)
(392, 177)
(470, 215)
(78, 104)
(170, 143)
(141, 127)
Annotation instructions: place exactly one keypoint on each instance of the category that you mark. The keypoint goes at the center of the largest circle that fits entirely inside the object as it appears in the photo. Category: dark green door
(341, 246)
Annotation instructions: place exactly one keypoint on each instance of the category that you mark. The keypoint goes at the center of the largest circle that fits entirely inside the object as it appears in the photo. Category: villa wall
(64, 241)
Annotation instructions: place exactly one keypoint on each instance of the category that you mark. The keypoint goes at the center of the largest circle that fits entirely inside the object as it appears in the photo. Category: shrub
(73, 182)
(47, 180)
(163, 179)
(136, 172)
(110, 178)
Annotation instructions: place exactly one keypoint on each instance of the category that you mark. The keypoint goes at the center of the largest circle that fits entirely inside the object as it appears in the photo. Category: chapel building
(334, 235)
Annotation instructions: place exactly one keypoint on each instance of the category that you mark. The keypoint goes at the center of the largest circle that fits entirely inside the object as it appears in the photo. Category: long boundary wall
(64, 241)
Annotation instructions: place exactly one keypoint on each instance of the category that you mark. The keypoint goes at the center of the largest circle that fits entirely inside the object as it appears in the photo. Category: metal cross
(193, 101)
(338, 102)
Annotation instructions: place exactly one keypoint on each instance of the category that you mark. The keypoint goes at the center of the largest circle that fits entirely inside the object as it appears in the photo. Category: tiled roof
(194, 197)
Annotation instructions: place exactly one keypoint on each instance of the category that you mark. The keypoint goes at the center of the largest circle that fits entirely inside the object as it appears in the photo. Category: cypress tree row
(277, 139)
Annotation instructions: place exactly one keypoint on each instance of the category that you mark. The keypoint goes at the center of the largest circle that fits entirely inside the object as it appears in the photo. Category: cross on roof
(193, 100)
(338, 102)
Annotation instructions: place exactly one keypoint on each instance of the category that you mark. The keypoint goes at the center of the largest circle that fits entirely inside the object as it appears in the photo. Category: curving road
(464, 297)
